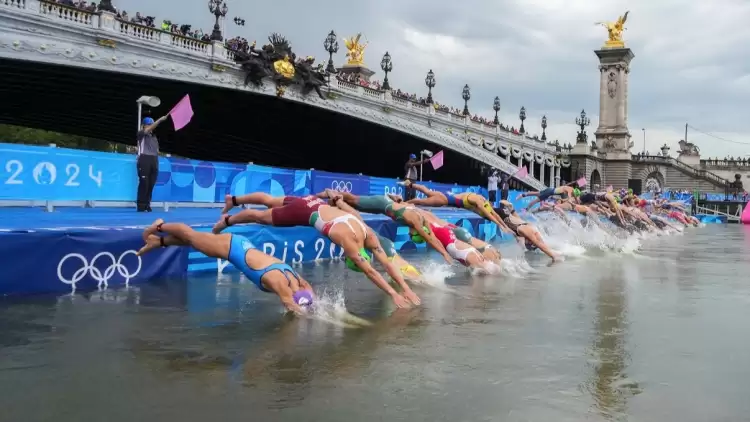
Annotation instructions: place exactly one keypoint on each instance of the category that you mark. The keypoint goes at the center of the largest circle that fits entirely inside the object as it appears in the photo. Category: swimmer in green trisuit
(470, 201)
(409, 272)
(399, 212)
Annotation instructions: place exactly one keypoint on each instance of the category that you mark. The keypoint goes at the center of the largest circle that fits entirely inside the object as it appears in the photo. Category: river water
(652, 335)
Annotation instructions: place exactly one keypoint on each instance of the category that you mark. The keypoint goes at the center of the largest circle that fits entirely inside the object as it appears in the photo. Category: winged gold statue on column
(614, 30)
(355, 51)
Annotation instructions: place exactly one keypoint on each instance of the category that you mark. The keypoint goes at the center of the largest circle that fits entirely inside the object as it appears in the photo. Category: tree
(23, 135)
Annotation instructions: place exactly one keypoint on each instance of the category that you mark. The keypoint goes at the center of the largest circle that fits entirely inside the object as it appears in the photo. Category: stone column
(541, 173)
(612, 135)
(557, 175)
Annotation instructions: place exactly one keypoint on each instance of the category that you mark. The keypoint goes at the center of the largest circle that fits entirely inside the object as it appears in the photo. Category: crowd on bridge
(82, 5)
(727, 162)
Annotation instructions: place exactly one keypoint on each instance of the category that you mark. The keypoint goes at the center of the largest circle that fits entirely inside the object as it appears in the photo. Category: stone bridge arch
(652, 177)
(595, 180)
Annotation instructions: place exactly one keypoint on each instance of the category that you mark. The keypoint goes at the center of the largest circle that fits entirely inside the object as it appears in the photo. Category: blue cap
(412, 156)
(148, 121)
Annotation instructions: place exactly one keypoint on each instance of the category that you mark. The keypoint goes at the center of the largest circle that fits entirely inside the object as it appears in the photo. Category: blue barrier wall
(30, 172)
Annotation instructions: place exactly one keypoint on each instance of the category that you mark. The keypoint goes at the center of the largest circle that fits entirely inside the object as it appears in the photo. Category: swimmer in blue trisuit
(470, 201)
(267, 272)
(562, 191)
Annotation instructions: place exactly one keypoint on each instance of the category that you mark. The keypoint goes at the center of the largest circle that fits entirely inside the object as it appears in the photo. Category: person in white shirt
(492, 186)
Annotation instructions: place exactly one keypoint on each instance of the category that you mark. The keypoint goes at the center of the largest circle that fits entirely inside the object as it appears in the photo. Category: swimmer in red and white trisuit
(398, 211)
(342, 228)
(461, 251)
(266, 272)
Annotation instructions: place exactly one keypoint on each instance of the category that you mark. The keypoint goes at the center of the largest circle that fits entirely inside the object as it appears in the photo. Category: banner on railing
(83, 260)
(30, 172)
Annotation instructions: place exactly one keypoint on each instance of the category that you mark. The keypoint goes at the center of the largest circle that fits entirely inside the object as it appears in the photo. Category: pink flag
(581, 182)
(520, 174)
(182, 113)
(437, 160)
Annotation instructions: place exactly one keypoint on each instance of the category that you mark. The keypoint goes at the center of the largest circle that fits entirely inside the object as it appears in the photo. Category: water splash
(435, 274)
(330, 307)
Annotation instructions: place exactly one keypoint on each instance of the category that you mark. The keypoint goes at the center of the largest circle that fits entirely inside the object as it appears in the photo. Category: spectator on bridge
(412, 175)
(492, 187)
(147, 162)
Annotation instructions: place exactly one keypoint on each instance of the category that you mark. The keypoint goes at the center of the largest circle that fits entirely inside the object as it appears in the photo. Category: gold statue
(356, 51)
(284, 67)
(614, 29)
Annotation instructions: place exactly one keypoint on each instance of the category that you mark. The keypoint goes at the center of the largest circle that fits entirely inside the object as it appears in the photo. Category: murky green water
(658, 336)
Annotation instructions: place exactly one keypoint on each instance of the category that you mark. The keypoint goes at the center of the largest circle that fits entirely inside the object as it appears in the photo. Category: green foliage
(23, 135)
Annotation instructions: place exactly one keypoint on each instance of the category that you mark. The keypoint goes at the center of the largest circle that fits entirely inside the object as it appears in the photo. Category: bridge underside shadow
(228, 125)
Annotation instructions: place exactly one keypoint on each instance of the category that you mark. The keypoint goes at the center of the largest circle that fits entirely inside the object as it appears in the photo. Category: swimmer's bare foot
(228, 204)
(520, 195)
(152, 242)
(221, 224)
(152, 229)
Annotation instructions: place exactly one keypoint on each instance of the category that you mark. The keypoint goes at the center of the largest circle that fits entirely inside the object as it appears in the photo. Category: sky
(691, 64)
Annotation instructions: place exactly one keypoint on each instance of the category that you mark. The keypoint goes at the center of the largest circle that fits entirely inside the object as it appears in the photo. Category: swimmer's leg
(434, 198)
(179, 234)
(535, 237)
(257, 198)
(246, 216)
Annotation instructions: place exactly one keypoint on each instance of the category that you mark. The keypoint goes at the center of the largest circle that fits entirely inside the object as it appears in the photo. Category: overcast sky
(692, 62)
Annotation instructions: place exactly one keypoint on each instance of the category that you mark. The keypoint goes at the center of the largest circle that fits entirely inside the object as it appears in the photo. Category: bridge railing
(81, 17)
(114, 30)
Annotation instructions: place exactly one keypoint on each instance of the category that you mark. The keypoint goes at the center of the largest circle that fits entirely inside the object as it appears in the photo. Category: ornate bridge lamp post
(466, 95)
(522, 116)
(386, 65)
(332, 47)
(665, 150)
(544, 128)
(582, 122)
(219, 9)
(430, 82)
(496, 107)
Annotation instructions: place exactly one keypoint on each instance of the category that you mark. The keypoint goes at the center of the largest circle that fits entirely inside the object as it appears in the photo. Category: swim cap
(148, 121)
(416, 237)
(352, 265)
(303, 298)
(576, 192)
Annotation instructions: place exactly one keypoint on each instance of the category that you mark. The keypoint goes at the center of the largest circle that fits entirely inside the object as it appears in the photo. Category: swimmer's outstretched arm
(374, 245)
(352, 252)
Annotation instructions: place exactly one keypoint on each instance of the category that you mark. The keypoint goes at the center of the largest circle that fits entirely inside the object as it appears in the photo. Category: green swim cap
(576, 192)
(353, 266)
(416, 237)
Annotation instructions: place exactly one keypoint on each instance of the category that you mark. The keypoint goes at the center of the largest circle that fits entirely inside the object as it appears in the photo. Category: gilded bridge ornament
(355, 51)
(614, 30)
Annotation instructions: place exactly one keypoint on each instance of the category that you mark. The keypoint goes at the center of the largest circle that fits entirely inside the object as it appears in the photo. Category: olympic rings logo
(102, 277)
(341, 186)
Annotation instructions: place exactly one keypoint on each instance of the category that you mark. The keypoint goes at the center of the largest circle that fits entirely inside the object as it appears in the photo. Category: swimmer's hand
(413, 298)
(448, 259)
(399, 301)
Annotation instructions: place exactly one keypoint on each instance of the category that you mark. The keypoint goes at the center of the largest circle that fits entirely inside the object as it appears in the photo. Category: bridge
(79, 72)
